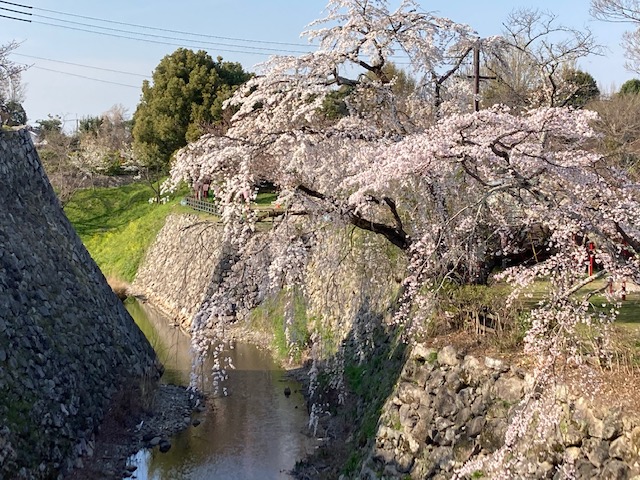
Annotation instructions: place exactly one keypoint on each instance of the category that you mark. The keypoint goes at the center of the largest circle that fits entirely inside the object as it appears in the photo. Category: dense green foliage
(17, 115)
(117, 225)
(630, 87)
(186, 95)
(51, 125)
(585, 87)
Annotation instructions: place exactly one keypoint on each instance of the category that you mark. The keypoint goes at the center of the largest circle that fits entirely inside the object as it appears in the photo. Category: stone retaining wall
(66, 341)
(178, 267)
(447, 409)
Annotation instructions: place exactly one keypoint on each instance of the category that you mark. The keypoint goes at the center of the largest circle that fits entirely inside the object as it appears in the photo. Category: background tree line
(183, 100)
(185, 97)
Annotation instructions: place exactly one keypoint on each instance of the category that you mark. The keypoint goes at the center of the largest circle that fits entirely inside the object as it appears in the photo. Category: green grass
(629, 310)
(627, 321)
(117, 225)
(266, 198)
(269, 317)
(629, 315)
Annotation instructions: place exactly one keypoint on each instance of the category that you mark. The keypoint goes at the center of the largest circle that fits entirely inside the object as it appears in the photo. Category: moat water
(256, 432)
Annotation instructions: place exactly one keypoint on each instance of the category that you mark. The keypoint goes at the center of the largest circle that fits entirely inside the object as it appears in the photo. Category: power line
(80, 65)
(16, 4)
(81, 76)
(15, 11)
(175, 41)
(20, 19)
(203, 35)
(157, 42)
(183, 42)
(163, 37)
(147, 27)
(147, 40)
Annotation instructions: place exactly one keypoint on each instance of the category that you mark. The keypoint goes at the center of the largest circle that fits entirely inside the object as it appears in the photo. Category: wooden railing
(201, 205)
(264, 213)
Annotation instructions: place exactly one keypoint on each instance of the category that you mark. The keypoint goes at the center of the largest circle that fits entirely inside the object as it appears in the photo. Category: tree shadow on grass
(95, 211)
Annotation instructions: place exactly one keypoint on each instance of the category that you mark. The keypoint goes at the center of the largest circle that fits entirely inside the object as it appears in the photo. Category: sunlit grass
(266, 198)
(629, 309)
(117, 225)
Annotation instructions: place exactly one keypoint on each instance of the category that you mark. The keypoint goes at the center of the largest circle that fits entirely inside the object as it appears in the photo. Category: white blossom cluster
(453, 190)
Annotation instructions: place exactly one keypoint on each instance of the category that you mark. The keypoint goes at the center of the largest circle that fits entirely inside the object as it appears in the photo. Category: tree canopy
(16, 114)
(582, 87)
(534, 64)
(630, 87)
(451, 189)
(11, 89)
(9, 74)
(185, 96)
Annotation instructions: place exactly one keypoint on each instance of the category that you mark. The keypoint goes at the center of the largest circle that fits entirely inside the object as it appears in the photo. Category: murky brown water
(256, 432)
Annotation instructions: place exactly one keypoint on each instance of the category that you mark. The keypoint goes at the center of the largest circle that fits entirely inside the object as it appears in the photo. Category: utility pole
(476, 76)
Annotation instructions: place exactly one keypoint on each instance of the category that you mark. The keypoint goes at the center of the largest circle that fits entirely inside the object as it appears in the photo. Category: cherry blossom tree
(455, 191)
(279, 131)
(11, 90)
(625, 11)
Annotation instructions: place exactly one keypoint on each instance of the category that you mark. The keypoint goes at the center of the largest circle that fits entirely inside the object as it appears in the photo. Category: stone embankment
(67, 343)
(448, 409)
(189, 264)
(177, 269)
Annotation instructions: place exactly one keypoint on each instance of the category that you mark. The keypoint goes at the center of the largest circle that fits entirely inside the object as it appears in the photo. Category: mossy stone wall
(66, 341)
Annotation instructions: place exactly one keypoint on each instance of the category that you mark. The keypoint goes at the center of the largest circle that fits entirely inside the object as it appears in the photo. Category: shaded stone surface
(66, 341)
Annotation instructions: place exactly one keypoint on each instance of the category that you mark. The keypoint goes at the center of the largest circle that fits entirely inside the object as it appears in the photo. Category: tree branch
(627, 238)
(396, 235)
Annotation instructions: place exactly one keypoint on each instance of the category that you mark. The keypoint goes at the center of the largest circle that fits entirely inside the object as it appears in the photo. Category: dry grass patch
(119, 287)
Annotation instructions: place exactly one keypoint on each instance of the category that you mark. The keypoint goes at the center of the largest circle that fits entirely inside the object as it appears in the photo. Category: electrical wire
(147, 40)
(20, 19)
(81, 76)
(146, 27)
(157, 42)
(264, 51)
(151, 35)
(80, 65)
(183, 42)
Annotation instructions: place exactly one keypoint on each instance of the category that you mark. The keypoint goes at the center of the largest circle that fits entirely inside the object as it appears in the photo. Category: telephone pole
(476, 75)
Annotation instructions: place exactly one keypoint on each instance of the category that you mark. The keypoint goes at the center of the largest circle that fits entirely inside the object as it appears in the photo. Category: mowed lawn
(628, 319)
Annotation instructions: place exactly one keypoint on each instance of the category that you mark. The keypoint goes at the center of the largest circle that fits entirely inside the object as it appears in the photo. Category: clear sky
(48, 91)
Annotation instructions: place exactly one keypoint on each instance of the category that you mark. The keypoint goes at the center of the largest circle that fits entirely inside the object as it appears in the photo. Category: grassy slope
(629, 316)
(117, 225)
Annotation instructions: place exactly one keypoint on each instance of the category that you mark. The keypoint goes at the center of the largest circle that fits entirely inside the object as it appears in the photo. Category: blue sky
(71, 97)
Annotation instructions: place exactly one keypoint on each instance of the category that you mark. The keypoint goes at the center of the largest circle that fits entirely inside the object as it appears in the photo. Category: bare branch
(616, 10)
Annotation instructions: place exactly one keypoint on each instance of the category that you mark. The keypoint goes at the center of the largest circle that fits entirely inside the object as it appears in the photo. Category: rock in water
(165, 446)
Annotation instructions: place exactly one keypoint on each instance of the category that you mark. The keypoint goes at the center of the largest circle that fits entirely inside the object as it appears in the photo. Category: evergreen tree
(630, 87)
(583, 87)
(186, 95)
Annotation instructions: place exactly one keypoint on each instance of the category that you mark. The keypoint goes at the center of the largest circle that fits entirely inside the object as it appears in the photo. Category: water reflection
(254, 433)
(170, 343)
